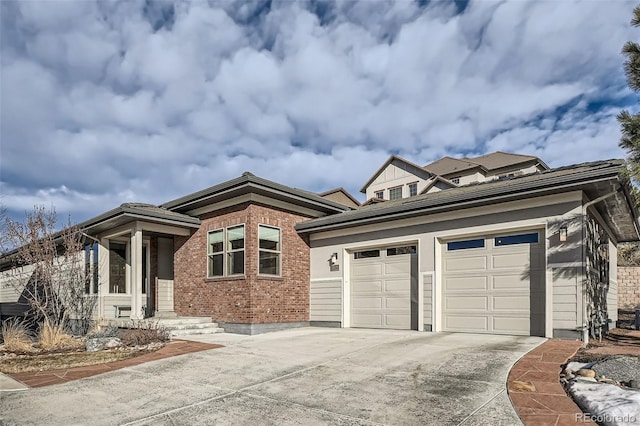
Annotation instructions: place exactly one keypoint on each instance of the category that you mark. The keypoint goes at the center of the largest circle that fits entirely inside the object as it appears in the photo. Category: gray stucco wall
(563, 259)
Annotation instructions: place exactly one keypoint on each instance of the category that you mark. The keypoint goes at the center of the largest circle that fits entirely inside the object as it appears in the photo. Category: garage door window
(366, 254)
(396, 251)
(465, 244)
(516, 239)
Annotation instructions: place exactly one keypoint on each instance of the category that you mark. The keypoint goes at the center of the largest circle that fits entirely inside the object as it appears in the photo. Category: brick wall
(250, 299)
(629, 287)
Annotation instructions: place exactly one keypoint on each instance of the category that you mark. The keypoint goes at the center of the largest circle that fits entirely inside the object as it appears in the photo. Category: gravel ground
(620, 368)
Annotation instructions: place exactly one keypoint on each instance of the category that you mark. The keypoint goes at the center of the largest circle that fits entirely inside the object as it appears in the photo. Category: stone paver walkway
(36, 379)
(535, 389)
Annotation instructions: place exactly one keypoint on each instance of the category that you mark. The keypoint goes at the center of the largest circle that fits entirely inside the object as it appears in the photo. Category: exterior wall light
(333, 259)
(562, 233)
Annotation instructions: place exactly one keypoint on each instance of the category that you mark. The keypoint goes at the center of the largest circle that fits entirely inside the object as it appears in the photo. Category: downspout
(585, 206)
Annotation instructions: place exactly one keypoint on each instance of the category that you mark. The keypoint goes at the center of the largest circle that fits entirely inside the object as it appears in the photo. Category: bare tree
(49, 270)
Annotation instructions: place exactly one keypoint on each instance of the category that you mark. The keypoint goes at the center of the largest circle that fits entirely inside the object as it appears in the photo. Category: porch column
(136, 272)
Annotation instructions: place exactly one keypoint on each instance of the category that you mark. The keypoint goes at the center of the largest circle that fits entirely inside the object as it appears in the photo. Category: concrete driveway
(302, 376)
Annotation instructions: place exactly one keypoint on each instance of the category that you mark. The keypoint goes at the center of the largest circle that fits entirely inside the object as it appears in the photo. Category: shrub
(52, 337)
(15, 334)
(110, 331)
(143, 333)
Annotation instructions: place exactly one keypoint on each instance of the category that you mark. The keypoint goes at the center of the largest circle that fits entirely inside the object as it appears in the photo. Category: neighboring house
(340, 195)
(399, 178)
(530, 254)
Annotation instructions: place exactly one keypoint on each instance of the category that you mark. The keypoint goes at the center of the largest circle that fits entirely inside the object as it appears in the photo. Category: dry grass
(144, 334)
(47, 362)
(16, 337)
(53, 338)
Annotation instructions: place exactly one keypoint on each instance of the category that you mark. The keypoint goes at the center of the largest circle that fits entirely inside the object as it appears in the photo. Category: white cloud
(104, 103)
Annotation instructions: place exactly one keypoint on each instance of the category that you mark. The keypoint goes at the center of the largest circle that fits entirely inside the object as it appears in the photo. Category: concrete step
(167, 322)
(199, 326)
(195, 331)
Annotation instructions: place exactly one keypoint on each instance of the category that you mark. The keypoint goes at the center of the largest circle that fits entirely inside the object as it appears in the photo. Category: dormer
(396, 179)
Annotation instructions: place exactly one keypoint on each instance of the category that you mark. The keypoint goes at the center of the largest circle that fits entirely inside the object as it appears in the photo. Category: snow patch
(607, 404)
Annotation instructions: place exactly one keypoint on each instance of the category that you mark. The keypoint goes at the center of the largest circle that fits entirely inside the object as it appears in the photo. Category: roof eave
(306, 227)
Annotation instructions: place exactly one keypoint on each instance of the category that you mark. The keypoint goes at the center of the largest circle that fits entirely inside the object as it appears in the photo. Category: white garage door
(494, 284)
(381, 288)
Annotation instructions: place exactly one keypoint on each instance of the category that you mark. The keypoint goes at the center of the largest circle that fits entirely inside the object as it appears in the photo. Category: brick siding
(629, 287)
(250, 299)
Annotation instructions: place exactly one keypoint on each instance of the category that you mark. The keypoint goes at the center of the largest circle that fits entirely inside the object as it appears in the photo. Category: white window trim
(127, 262)
(409, 188)
(225, 252)
(375, 193)
(244, 250)
(209, 255)
(270, 251)
(401, 192)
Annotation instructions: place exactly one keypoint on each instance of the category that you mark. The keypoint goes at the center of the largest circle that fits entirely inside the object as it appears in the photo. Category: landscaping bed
(12, 363)
(52, 349)
(604, 378)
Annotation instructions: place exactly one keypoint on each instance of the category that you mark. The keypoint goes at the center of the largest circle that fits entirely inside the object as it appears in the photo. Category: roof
(249, 183)
(131, 211)
(499, 159)
(123, 214)
(343, 191)
(434, 180)
(488, 162)
(415, 169)
(596, 179)
(449, 165)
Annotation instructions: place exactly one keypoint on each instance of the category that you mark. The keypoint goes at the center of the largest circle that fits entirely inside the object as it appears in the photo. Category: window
(118, 267)
(455, 180)
(465, 244)
(91, 268)
(366, 254)
(380, 194)
(232, 246)
(413, 189)
(516, 239)
(269, 250)
(397, 251)
(95, 268)
(87, 269)
(395, 193)
(215, 252)
(235, 250)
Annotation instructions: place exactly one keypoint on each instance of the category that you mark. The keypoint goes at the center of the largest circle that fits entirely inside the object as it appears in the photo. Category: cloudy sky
(106, 102)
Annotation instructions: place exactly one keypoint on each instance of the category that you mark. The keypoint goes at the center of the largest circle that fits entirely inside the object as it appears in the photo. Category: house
(399, 178)
(519, 249)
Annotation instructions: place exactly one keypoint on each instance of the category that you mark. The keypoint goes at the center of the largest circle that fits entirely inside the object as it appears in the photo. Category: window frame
(278, 252)
(513, 239)
(379, 194)
(394, 189)
(226, 252)
(455, 180)
(466, 244)
(112, 269)
(91, 275)
(229, 251)
(217, 253)
(413, 187)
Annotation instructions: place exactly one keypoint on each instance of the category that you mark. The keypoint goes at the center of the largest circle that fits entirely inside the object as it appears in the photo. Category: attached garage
(495, 284)
(383, 288)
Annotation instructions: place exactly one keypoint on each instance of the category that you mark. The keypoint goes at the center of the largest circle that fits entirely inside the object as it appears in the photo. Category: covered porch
(133, 252)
